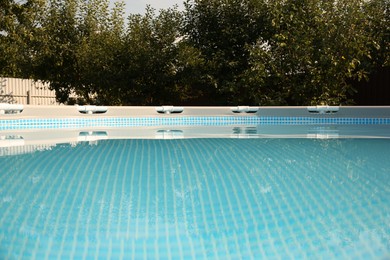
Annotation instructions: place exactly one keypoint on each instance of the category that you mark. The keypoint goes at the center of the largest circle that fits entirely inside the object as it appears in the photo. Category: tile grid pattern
(55, 123)
(197, 199)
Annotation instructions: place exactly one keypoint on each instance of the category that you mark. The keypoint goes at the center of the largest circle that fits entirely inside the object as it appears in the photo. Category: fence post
(28, 97)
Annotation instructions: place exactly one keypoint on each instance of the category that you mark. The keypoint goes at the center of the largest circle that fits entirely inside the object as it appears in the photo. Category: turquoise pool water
(214, 198)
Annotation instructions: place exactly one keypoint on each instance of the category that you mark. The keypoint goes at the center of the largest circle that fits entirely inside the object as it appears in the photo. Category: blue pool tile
(183, 121)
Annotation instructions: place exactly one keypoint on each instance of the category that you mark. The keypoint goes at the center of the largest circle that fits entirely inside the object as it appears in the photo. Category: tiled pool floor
(198, 198)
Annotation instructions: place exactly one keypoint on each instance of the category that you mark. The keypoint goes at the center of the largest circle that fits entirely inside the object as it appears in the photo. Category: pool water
(214, 198)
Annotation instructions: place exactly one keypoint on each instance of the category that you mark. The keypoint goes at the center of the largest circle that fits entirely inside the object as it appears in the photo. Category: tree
(102, 36)
(19, 22)
(77, 48)
(315, 48)
(216, 52)
(148, 59)
(377, 25)
(55, 59)
(221, 31)
(86, 50)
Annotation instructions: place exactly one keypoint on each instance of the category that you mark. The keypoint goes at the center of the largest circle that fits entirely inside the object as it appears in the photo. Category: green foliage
(377, 24)
(149, 53)
(316, 48)
(221, 30)
(56, 60)
(19, 21)
(87, 50)
(215, 52)
(100, 46)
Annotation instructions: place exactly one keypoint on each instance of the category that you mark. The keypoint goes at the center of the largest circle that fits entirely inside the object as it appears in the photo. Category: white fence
(27, 91)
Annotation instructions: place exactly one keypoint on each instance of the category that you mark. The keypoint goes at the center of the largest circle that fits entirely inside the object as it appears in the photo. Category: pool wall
(41, 127)
(29, 113)
(32, 111)
(84, 117)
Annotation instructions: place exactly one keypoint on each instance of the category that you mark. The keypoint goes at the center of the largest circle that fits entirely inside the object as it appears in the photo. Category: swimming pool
(200, 188)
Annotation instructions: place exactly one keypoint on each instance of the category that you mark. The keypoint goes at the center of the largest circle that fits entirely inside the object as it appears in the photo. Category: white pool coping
(33, 111)
(345, 122)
